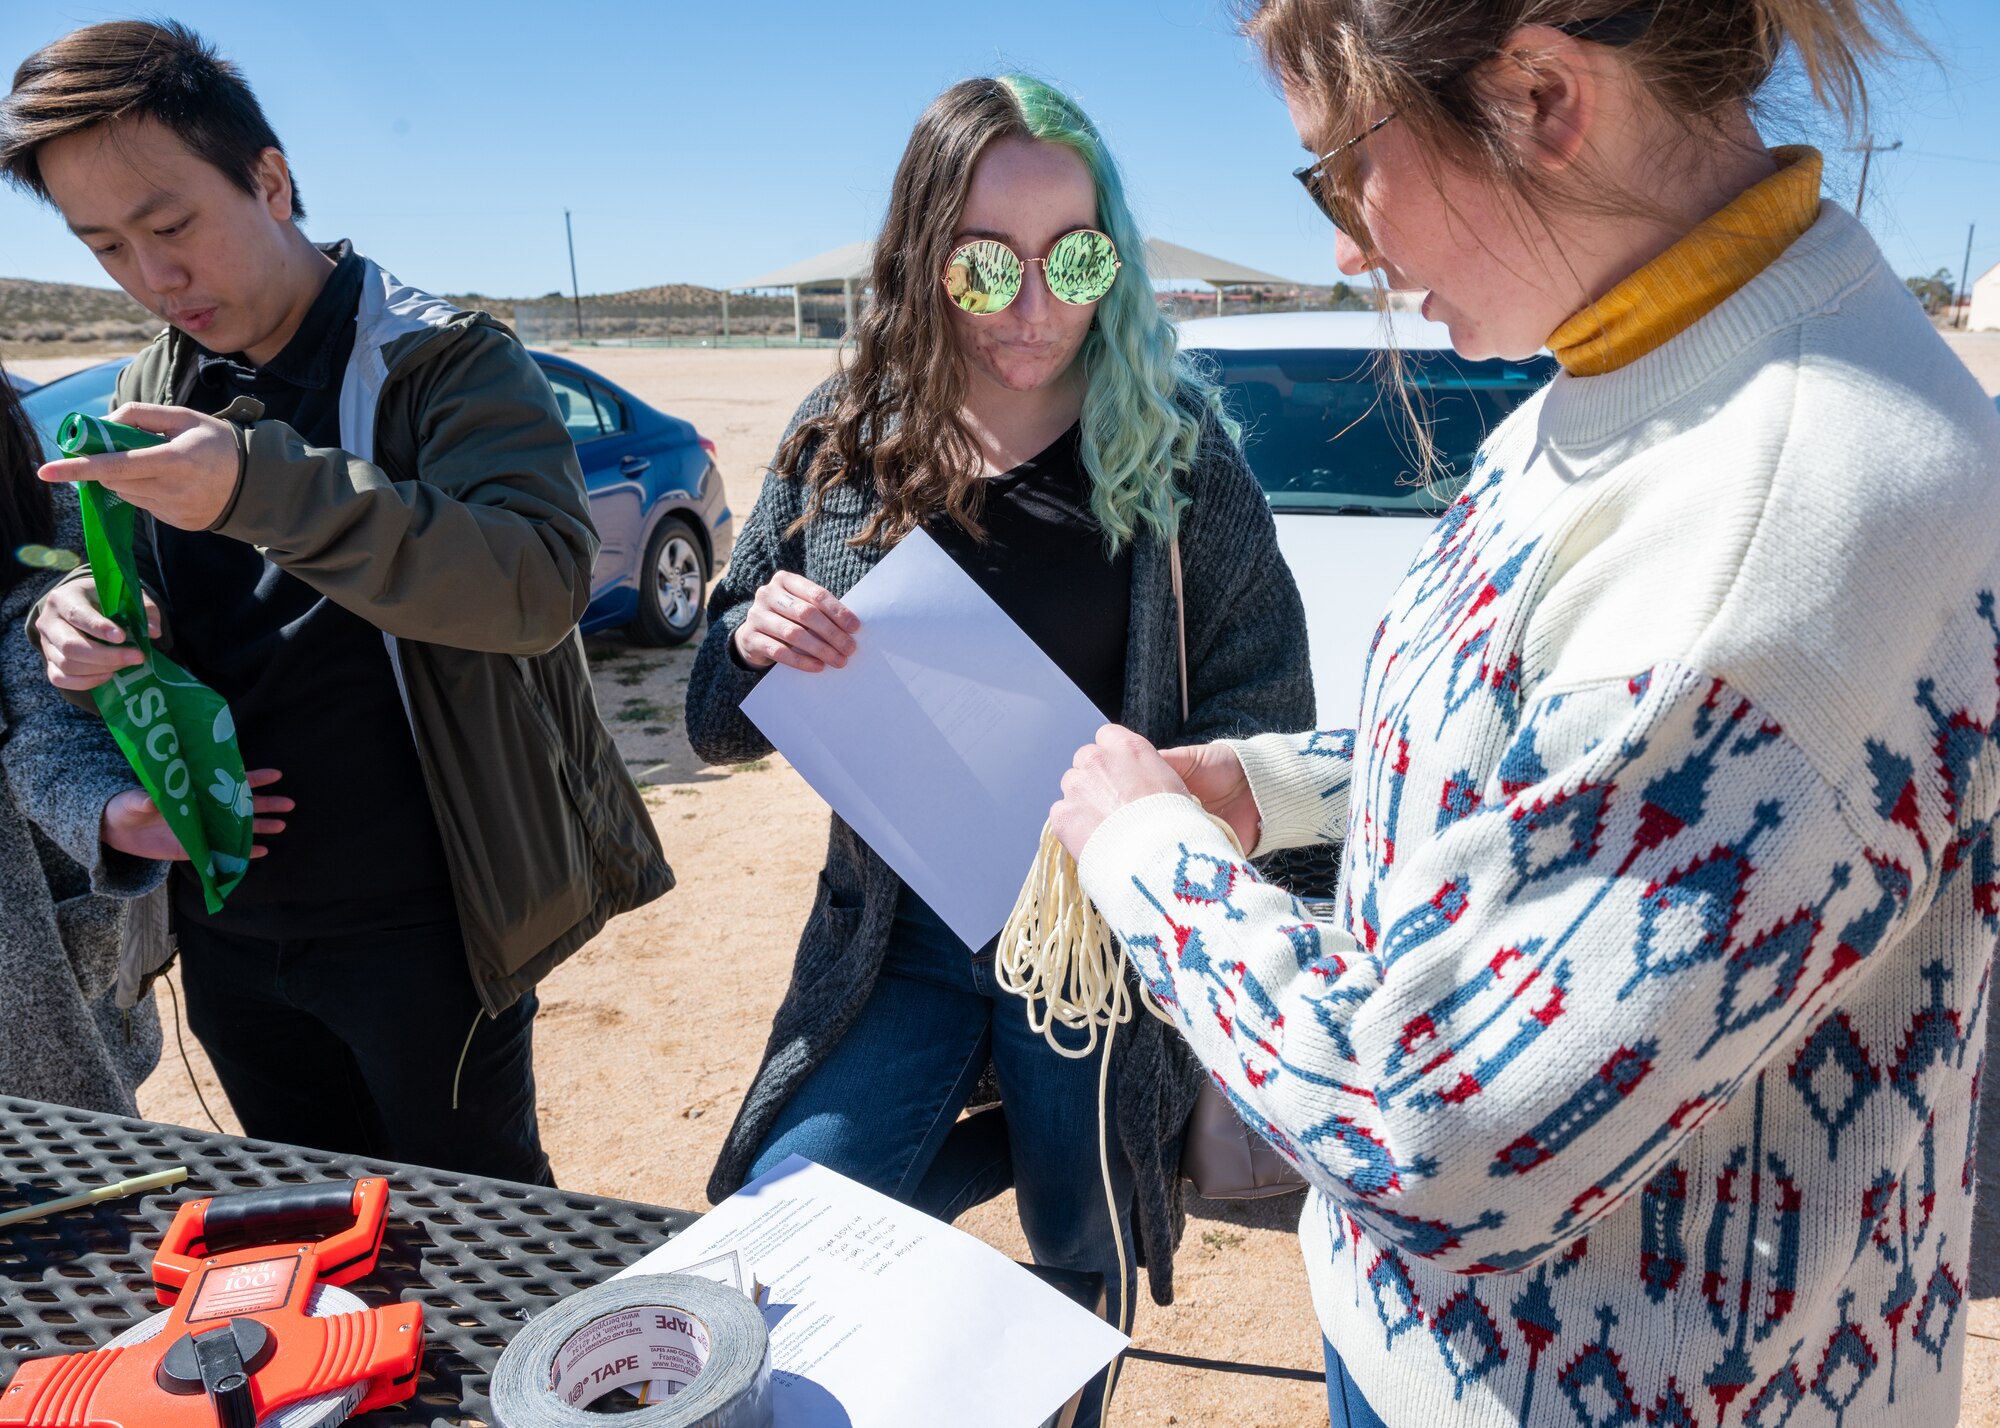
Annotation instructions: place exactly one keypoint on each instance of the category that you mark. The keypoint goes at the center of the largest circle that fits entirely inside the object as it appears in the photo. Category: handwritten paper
(882, 1317)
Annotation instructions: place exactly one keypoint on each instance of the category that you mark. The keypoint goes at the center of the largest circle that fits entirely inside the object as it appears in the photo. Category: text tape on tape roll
(701, 1343)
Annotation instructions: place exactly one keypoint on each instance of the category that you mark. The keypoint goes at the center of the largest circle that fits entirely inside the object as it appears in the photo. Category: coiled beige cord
(1057, 950)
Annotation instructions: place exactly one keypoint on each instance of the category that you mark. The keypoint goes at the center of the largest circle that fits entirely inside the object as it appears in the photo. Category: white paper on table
(944, 740)
(882, 1317)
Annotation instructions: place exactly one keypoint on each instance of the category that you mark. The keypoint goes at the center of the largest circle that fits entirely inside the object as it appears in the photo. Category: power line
(1954, 158)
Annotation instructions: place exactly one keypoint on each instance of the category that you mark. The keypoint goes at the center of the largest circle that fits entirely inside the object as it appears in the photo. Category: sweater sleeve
(1300, 783)
(718, 729)
(1249, 665)
(1526, 1014)
(62, 763)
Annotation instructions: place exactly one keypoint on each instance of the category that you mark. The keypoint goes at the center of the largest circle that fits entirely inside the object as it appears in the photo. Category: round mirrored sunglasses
(984, 276)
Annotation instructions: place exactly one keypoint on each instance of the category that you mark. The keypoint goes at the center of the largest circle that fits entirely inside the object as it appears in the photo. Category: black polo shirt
(309, 683)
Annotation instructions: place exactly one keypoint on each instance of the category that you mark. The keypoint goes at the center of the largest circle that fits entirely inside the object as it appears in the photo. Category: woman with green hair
(1014, 392)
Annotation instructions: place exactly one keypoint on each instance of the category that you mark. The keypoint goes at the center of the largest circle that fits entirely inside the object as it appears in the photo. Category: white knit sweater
(1635, 1079)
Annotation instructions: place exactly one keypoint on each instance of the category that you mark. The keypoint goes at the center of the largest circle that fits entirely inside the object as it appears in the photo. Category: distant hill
(46, 316)
(665, 295)
(640, 314)
(33, 313)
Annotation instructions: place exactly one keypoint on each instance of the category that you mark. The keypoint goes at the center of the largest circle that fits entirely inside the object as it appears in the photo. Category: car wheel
(675, 580)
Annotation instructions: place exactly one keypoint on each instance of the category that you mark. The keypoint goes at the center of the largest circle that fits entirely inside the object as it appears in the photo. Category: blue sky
(710, 142)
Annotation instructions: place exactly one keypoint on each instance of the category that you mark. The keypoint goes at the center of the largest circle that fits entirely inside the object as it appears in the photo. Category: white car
(1328, 441)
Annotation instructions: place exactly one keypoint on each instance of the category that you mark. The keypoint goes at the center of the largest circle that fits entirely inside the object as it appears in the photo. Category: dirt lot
(648, 1038)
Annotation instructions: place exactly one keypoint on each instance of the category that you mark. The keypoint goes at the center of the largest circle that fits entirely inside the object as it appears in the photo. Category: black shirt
(1043, 561)
(309, 683)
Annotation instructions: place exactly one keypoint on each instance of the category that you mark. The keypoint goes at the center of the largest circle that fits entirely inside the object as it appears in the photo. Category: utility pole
(576, 298)
(1964, 310)
(1868, 151)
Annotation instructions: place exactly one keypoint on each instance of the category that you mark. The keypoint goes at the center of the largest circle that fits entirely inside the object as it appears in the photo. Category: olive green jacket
(454, 519)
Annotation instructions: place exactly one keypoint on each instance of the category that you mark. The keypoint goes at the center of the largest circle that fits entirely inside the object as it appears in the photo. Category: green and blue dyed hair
(895, 423)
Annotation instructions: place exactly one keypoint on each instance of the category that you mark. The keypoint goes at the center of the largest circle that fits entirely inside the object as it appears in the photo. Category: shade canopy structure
(1170, 262)
(849, 263)
(848, 267)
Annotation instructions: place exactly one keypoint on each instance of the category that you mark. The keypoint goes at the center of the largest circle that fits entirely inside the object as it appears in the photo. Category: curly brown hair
(895, 427)
(897, 416)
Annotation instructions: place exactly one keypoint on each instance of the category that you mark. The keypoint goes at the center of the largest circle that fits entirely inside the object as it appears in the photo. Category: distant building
(1986, 302)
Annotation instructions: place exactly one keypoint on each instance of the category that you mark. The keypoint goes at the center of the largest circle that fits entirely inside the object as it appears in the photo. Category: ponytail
(1836, 41)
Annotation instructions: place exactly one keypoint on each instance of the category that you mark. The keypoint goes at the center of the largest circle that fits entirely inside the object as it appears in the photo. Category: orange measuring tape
(239, 1344)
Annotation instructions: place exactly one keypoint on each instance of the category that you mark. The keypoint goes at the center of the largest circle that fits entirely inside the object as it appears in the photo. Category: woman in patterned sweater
(1635, 1078)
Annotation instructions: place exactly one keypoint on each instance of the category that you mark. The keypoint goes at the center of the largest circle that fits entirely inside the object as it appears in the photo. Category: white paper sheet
(943, 742)
(882, 1317)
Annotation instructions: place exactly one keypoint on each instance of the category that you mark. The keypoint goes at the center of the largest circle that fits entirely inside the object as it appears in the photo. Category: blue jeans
(884, 1107)
(1345, 1406)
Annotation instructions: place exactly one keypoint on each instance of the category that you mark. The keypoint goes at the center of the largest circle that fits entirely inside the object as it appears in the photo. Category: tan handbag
(1221, 1156)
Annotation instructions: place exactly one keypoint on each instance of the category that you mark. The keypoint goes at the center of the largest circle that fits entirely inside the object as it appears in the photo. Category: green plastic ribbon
(176, 731)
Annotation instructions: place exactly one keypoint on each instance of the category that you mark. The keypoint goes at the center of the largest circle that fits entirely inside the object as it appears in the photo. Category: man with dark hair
(368, 531)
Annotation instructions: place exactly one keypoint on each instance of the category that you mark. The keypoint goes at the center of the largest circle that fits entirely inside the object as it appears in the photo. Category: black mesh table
(481, 1256)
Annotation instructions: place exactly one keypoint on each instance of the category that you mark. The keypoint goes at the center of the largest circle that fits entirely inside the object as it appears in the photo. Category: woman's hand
(1118, 769)
(793, 621)
(1214, 774)
(132, 824)
(81, 645)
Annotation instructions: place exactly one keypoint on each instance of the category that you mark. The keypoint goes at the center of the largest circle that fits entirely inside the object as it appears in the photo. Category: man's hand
(81, 645)
(1214, 774)
(132, 824)
(1118, 769)
(187, 483)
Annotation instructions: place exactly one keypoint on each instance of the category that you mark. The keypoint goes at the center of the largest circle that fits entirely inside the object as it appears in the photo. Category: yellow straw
(138, 1185)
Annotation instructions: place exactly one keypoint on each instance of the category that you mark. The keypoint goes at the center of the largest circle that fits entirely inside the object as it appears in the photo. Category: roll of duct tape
(698, 1349)
(325, 1411)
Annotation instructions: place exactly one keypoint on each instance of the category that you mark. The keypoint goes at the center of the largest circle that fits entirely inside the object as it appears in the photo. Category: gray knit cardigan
(1248, 673)
(63, 897)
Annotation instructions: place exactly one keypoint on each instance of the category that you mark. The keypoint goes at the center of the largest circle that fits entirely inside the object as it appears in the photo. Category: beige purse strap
(1180, 622)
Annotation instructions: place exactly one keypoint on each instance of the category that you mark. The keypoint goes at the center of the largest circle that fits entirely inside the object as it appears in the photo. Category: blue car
(655, 494)
(657, 500)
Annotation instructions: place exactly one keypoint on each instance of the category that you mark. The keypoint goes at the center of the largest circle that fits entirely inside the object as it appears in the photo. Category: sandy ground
(649, 1036)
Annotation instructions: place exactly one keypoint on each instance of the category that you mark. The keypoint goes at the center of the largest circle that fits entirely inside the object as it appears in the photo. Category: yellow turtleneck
(1692, 278)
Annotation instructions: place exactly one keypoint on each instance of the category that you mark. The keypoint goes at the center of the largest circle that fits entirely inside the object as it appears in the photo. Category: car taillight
(706, 445)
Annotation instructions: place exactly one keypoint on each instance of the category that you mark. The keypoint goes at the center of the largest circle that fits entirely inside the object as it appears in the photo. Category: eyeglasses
(1331, 194)
(984, 276)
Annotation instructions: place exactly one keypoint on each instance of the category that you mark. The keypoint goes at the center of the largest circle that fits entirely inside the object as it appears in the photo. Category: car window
(88, 391)
(1324, 429)
(610, 413)
(573, 400)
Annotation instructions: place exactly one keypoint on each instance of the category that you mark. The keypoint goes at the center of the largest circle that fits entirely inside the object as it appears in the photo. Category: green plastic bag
(175, 730)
